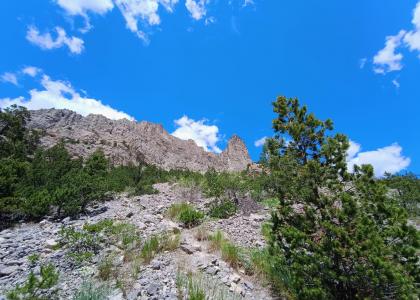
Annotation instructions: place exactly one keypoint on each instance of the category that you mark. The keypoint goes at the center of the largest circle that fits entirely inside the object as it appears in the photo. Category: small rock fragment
(6, 271)
(235, 278)
(51, 243)
(188, 248)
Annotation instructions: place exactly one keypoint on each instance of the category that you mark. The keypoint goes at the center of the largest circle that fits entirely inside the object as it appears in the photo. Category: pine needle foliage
(338, 234)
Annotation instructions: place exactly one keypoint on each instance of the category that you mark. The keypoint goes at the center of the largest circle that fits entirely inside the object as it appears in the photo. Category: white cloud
(82, 7)
(416, 16)
(362, 63)
(13, 77)
(412, 38)
(353, 150)
(197, 8)
(61, 95)
(260, 142)
(139, 15)
(10, 77)
(206, 136)
(387, 60)
(248, 3)
(47, 42)
(396, 83)
(135, 11)
(31, 71)
(387, 159)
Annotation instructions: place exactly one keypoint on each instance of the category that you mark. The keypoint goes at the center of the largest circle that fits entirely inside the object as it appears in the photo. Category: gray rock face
(125, 141)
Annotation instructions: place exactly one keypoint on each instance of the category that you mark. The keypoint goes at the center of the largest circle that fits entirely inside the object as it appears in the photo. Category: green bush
(37, 287)
(98, 227)
(175, 209)
(126, 235)
(222, 209)
(186, 214)
(190, 217)
(82, 245)
(271, 202)
(271, 268)
(214, 184)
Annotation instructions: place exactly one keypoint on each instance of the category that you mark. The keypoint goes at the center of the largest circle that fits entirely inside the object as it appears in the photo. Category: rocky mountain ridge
(125, 141)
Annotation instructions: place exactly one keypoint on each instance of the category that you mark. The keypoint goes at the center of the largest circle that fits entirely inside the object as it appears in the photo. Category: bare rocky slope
(125, 141)
(128, 279)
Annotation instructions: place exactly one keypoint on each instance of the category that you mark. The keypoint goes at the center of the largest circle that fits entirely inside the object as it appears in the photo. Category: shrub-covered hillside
(331, 233)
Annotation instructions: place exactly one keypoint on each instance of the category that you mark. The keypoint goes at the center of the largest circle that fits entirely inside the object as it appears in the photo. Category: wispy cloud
(387, 60)
(362, 63)
(47, 42)
(197, 8)
(260, 142)
(396, 83)
(83, 7)
(140, 15)
(143, 11)
(14, 77)
(31, 71)
(248, 3)
(10, 78)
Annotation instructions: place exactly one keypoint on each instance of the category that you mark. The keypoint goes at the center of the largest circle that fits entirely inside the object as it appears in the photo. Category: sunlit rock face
(125, 142)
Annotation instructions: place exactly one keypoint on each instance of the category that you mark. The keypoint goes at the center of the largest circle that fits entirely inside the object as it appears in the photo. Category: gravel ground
(156, 280)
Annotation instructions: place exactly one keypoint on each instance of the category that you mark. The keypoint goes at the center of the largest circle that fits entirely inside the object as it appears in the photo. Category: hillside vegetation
(333, 234)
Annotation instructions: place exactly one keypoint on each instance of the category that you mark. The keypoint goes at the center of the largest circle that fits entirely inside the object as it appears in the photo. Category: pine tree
(338, 234)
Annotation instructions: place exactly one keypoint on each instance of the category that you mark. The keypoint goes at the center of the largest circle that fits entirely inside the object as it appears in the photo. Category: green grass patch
(185, 213)
(270, 202)
(90, 291)
(150, 249)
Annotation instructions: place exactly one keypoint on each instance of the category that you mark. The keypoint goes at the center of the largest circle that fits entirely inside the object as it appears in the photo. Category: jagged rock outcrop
(124, 141)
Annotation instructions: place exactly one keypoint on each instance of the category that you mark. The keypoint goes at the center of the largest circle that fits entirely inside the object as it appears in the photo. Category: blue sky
(220, 64)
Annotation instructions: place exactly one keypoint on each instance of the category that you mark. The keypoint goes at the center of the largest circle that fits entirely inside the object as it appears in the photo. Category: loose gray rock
(155, 265)
(152, 289)
(8, 270)
(188, 248)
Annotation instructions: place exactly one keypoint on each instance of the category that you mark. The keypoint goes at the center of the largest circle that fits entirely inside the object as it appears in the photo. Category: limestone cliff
(125, 141)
